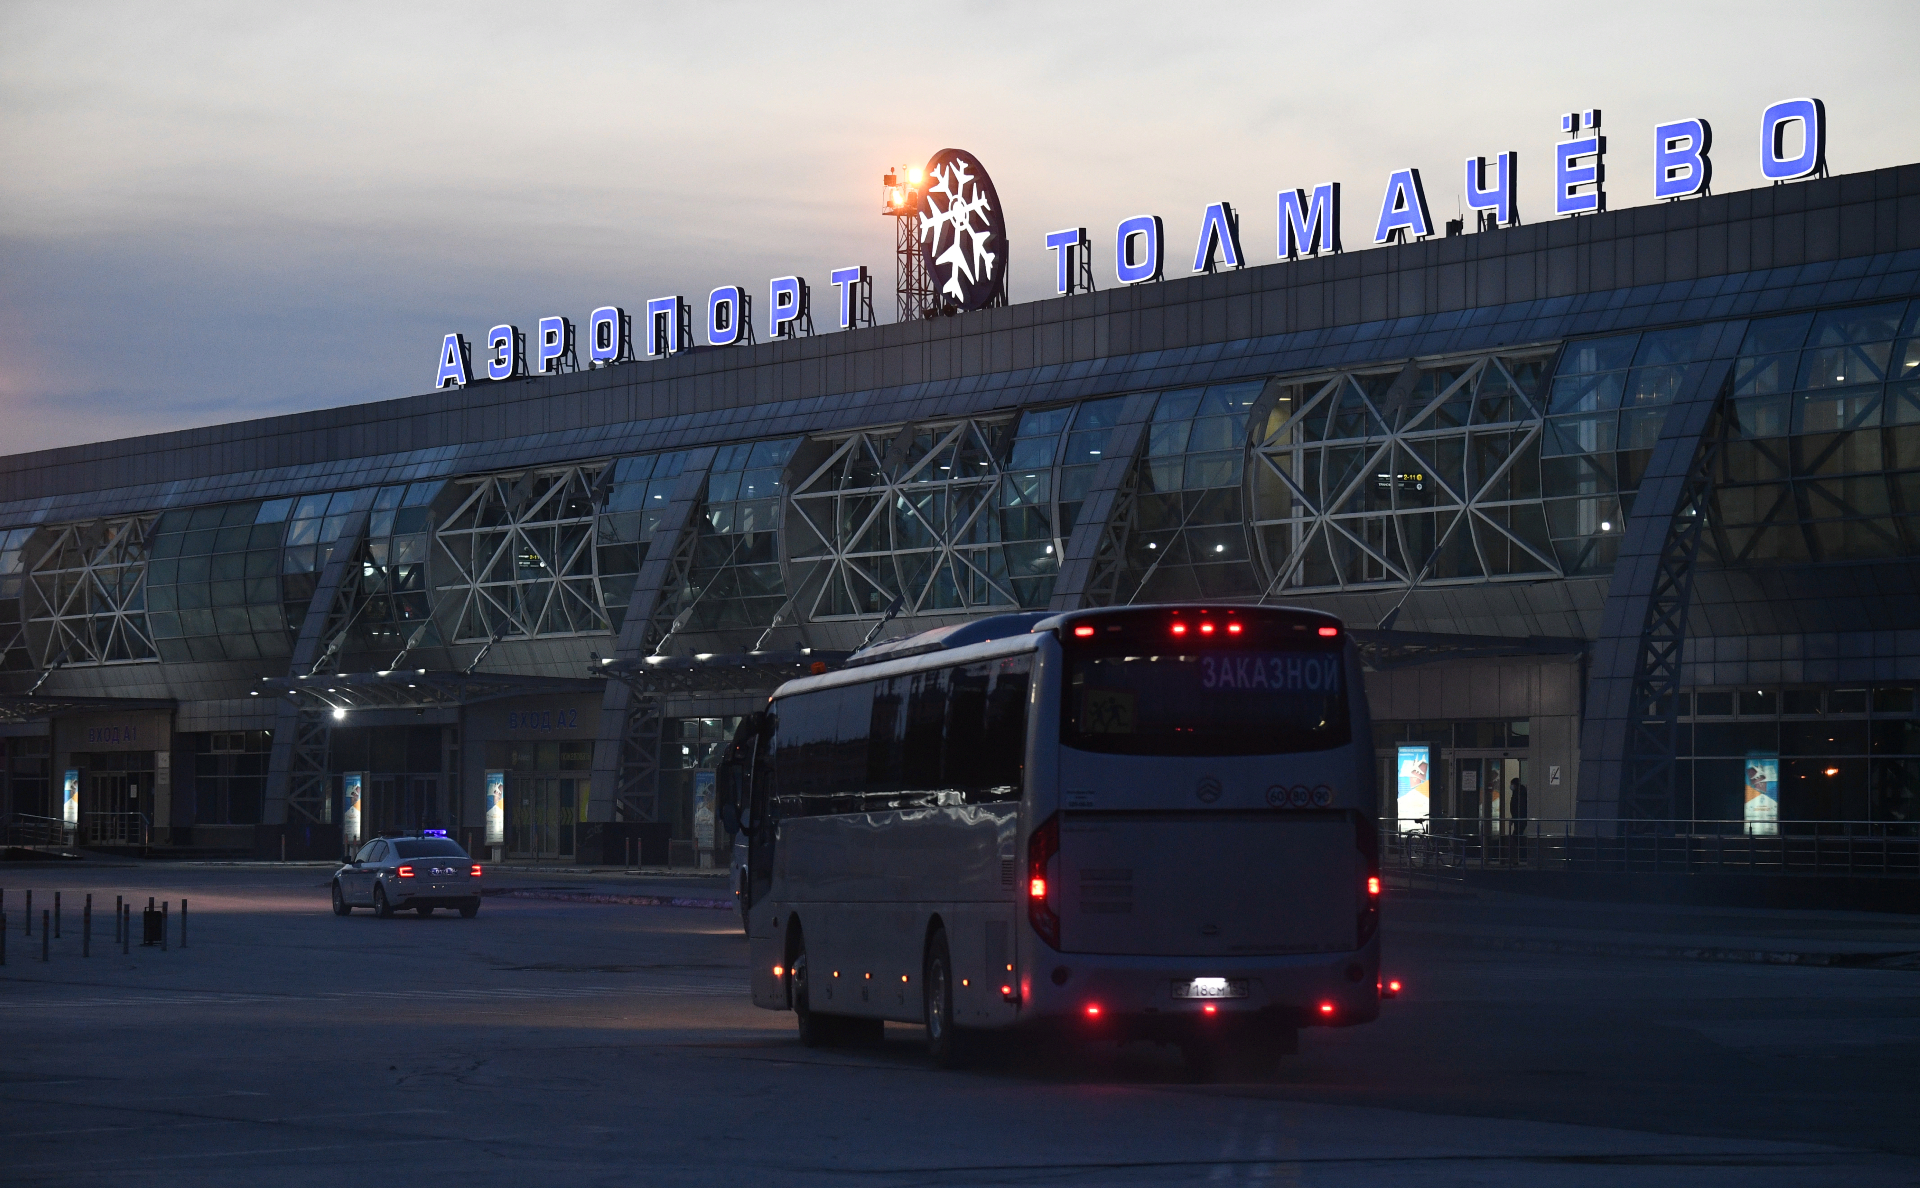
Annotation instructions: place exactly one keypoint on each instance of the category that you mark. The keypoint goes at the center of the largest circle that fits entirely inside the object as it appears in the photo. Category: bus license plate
(1211, 988)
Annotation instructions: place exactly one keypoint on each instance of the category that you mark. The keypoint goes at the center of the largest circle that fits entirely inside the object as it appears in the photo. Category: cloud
(219, 211)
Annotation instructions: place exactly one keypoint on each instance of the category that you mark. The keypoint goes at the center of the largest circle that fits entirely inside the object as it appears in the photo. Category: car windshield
(428, 847)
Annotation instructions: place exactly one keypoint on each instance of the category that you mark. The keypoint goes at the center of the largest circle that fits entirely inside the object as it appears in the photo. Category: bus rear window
(1136, 701)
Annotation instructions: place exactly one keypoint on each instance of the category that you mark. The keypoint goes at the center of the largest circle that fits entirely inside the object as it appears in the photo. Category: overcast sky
(211, 212)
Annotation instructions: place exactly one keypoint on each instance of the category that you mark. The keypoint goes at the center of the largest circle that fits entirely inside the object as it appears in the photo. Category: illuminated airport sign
(963, 242)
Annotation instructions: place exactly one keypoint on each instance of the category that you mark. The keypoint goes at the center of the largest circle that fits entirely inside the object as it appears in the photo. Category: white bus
(1143, 822)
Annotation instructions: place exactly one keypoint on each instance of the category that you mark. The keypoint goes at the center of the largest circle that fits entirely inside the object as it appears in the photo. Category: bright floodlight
(339, 715)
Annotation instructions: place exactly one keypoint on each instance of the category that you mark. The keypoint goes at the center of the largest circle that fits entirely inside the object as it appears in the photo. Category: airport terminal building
(1625, 506)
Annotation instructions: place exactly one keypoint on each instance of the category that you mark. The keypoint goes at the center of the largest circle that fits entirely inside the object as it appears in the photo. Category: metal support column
(1095, 554)
(626, 756)
(1626, 740)
(297, 787)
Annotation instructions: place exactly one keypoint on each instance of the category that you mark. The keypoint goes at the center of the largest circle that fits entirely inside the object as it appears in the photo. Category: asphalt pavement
(599, 1034)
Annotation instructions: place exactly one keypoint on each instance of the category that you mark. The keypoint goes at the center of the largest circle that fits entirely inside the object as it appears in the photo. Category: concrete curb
(1900, 960)
(600, 897)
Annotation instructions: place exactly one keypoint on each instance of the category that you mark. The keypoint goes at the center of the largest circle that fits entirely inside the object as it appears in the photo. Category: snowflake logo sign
(963, 234)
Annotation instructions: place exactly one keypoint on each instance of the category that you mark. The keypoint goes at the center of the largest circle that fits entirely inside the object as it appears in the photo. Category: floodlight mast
(904, 189)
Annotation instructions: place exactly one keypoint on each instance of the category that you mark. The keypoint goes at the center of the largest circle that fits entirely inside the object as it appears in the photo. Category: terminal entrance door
(1481, 787)
(541, 811)
(403, 804)
(116, 798)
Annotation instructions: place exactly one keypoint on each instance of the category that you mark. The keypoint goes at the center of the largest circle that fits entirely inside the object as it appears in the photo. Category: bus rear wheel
(946, 1040)
(816, 1030)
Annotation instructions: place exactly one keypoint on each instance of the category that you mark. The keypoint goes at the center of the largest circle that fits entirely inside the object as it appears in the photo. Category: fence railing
(115, 829)
(1442, 847)
(25, 829)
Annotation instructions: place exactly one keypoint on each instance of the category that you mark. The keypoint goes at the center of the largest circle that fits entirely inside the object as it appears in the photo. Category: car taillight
(405, 872)
(1042, 845)
(476, 870)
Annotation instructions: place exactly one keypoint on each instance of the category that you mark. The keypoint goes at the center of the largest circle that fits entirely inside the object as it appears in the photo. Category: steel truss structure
(523, 552)
(1373, 478)
(916, 512)
(85, 593)
(1653, 714)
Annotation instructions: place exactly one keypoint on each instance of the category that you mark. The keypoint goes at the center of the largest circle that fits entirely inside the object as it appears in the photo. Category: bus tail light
(1366, 839)
(1206, 628)
(1326, 1010)
(1093, 1010)
(1179, 628)
(1233, 628)
(1042, 845)
(1084, 631)
(405, 872)
(1329, 632)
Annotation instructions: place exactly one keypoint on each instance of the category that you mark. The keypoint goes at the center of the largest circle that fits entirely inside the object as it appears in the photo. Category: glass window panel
(1834, 367)
(1772, 335)
(1044, 423)
(1763, 374)
(1760, 416)
(1836, 327)
(1598, 354)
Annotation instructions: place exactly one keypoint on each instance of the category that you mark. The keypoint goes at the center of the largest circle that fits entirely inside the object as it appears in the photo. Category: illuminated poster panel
(1412, 806)
(70, 800)
(1763, 792)
(496, 808)
(351, 785)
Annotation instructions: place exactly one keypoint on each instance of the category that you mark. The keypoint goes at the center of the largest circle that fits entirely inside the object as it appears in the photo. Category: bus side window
(987, 729)
(922, 768)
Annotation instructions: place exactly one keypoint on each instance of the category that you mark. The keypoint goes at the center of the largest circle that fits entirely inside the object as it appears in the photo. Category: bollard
(45, 938)
(183, 921)
(56, 915)
(116, 919)
(86, 927)
(29, 911)
(164, 905)
(3, 938)
(126, 927)
(283, 847)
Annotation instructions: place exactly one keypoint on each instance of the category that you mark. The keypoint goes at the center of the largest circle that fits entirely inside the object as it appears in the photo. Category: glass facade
(86, 593)
(1427, 473)
(213, 585)
(1819, 458)
(1513, 465)
(735, 582)
(14, 654)
(229, 776)
(520, 548)
(1843, 754)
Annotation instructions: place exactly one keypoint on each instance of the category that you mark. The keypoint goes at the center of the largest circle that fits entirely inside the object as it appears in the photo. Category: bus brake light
(1042, 844)
(1373, 884)
(1206, 628)
(1084, 630)
(1179, 628)
(1233, 628)
(1093, 1010)
(1329, 632)
(1326, 1008)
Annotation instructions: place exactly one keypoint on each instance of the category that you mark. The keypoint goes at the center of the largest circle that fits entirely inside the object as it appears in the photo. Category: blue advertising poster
(1762, 812)
(1412, 805)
